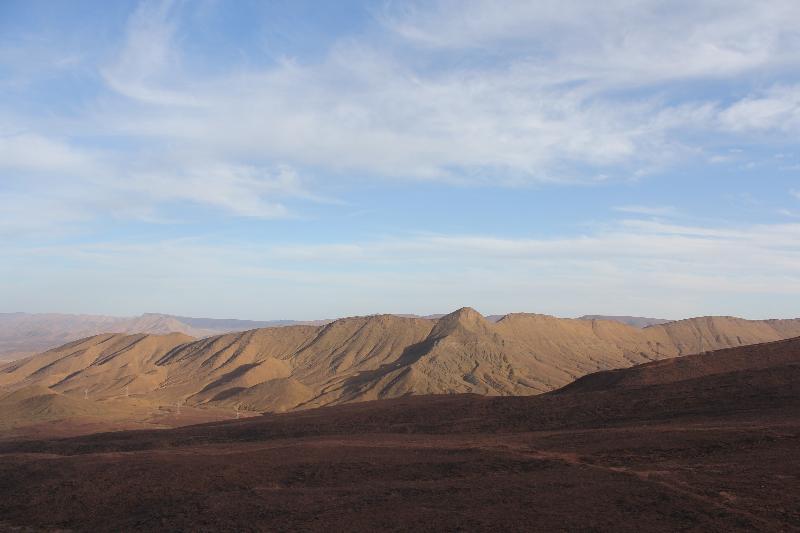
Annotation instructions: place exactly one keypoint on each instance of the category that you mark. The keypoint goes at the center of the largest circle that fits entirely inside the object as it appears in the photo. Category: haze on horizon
(306, 160)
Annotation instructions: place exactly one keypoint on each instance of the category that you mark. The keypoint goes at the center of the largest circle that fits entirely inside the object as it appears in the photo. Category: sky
(306, 160)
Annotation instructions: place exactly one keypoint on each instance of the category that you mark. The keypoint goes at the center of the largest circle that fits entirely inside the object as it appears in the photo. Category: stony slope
(363, 358)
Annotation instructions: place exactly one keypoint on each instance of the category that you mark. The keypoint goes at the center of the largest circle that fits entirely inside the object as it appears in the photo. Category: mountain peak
(464, 318)
(463, 315)
(466, 312)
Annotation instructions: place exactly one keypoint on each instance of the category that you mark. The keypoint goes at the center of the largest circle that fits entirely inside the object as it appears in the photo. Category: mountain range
(145, 378)
(23, 334)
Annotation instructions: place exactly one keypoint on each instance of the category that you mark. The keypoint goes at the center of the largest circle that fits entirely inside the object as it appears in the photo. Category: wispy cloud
(148, 59)
(31, 152)
(612, 42)
(534, 114)
(777, 110)
(573, 93)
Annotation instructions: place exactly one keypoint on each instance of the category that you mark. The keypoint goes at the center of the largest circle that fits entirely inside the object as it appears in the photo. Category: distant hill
(635, 321)
(24, 334)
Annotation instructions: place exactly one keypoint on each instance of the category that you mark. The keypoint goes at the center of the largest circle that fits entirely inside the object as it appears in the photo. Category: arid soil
(710, 445)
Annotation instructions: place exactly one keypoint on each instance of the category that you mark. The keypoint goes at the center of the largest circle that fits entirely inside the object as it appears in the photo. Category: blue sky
(317, 159)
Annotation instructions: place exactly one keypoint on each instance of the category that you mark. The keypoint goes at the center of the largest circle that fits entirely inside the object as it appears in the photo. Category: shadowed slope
(747, 358)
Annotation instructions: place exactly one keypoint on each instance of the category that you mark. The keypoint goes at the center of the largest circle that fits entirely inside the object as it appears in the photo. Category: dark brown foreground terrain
(702, 443)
